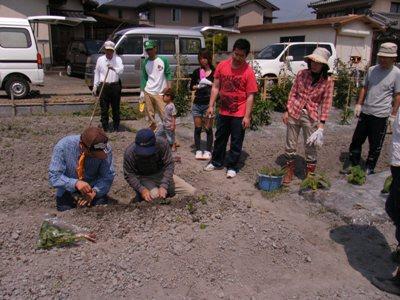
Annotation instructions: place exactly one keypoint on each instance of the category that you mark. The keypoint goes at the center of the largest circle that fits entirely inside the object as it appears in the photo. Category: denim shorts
(199, 110)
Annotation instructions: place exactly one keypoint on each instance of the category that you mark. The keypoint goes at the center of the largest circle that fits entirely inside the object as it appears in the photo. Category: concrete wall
(189, 17)
(250, 14)
(346, 45)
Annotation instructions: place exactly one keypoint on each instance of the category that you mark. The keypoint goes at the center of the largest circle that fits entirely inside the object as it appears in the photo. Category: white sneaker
(199, 154)
(209, 167)
(230, 173)
(207, 155)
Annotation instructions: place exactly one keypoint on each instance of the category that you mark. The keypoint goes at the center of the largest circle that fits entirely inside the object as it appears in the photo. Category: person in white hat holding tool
(154, 81)
(108, 69)
(374, 108)
(308, 106)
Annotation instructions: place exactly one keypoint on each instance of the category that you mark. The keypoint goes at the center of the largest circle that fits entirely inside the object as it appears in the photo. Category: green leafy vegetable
(387, 185)
(51, 236)
(357, 176)
(272, 172)
(315, 181)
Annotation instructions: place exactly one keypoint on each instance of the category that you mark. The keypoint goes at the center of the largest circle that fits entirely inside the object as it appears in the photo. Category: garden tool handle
(97, 100)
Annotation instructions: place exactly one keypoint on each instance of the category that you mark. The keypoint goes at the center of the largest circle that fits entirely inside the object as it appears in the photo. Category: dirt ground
(237, 243)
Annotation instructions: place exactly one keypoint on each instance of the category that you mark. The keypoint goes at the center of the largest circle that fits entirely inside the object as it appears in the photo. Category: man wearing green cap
(155, 78)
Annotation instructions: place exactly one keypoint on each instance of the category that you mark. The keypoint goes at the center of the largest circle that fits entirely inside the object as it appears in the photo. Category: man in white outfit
(111, 95)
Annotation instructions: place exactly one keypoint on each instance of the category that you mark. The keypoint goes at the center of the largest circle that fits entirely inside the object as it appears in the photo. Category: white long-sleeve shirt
(395, 161)
(101, 69)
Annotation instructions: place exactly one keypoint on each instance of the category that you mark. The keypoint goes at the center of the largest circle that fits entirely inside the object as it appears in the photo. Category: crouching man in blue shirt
(82, 170)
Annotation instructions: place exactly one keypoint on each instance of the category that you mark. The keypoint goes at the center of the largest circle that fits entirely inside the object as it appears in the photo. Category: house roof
(236, 3)
(335, 21)
(315, 4)
(139, 3)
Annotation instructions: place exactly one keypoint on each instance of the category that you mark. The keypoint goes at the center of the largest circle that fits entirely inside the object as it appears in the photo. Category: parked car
(290, 57)
(20, 63)
(171, 42)
(77, 54)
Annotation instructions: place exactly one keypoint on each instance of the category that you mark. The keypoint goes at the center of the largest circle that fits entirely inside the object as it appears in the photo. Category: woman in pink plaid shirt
(308, 106)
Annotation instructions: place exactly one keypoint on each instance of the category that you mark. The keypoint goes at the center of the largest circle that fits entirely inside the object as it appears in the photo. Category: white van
(276, 57)
(20, 61)
(170, 43)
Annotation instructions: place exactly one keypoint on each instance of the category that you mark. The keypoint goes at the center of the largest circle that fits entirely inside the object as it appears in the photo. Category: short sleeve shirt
(169, 114)
(382, 85)
(235, 85)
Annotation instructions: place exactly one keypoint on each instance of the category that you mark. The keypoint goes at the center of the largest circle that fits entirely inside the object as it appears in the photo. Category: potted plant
(270, 179)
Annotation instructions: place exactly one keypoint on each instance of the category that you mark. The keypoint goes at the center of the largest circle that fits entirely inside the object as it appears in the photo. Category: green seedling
(191, 208)
(357, 176)
(315, 181)
(202, 199)
(203, 226)
(272, 171)
(387, 185)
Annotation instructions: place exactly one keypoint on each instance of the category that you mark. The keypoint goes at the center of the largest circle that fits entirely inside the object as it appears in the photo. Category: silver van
(170, 42)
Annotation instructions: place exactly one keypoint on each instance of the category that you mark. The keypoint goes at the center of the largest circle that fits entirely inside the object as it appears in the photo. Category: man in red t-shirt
(236, 84)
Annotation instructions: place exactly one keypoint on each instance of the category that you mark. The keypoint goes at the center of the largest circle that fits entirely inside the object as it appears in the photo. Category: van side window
(189, 45)
(297, 51)
(311, 47)
(15, 38)
(165, 45)
(131, 45)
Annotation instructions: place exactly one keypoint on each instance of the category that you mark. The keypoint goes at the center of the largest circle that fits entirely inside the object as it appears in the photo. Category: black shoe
(116, 128)
(395, 255)
(346, 168)
(105, 128)
(388, 285)
(370, 171)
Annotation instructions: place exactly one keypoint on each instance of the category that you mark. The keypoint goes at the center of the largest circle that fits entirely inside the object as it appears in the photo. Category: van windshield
(271, 51)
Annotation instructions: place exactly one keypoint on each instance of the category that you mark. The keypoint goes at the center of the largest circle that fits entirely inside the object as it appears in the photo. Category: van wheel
(69, 69)
(18, 86)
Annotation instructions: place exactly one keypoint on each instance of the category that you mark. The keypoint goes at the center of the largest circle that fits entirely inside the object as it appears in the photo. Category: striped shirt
(311, 97)
(62, 171)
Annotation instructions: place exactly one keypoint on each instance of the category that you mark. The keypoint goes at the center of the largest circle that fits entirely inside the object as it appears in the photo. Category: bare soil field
(236, 243)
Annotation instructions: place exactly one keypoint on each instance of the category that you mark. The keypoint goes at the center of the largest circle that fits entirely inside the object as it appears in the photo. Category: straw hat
(388, 50)
(319, 55)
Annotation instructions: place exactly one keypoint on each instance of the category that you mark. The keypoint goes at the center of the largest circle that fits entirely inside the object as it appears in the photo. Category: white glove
(357, 110)
(141, 97)
(317, 138)
(94, 91)
(204, 82)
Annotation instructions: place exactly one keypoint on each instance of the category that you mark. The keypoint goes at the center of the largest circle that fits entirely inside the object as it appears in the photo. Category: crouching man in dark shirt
(149, 169)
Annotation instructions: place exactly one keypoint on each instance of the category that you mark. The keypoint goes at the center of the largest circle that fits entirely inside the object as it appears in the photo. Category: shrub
(357, 176)
(345, 88)
(182, 98)
(261, 112)
(279, 93)
(315, 181)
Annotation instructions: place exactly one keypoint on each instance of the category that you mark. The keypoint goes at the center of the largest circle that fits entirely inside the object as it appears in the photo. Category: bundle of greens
(387, 185)
(315, 181)
(272, 172)
(53, 236)
(357, 176)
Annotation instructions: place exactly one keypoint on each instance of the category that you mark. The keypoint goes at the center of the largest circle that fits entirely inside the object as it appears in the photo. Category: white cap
(109, 45)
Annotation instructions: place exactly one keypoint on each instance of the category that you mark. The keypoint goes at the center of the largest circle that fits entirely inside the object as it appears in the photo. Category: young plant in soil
(191, 208)
(357, 176)
(387, 185)
(272, 171)
(315, 181)
(203, 226)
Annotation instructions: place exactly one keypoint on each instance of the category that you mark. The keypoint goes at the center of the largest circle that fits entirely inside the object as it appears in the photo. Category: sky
(290, 10)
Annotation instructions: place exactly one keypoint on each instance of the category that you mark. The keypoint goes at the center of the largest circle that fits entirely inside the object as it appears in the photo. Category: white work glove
(357, 110)
(94, 91)
(204, 82)
(141, 97)
(317, 138)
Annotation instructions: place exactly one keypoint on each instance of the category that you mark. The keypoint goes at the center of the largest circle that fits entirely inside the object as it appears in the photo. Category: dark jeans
(374, 129)
(67, 201)
(393, 201)
(197, 138)
(228, 127)
(111, 96)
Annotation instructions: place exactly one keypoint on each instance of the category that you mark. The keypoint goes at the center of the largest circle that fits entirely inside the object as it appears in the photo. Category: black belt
(109, 83)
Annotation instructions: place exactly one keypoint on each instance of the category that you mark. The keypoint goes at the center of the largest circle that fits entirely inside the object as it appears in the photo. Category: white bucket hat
(388, 50)
(109, 45)
(319, 55)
